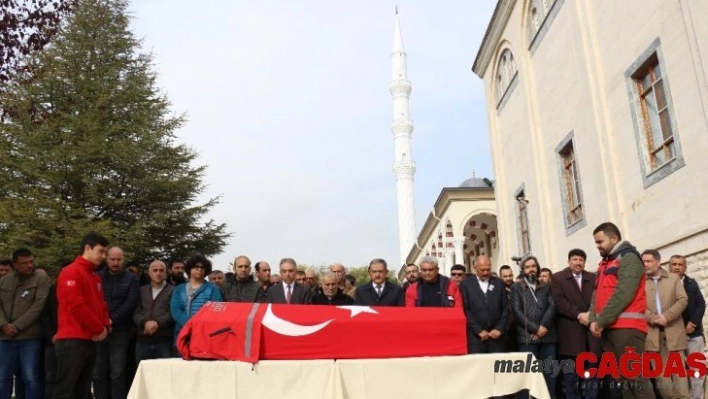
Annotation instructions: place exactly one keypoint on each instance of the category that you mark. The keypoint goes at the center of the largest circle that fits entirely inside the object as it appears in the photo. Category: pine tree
(88, 143)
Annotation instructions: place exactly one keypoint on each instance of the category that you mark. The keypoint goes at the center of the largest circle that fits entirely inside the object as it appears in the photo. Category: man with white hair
(433, 289)
(312, 280)
(331, 294)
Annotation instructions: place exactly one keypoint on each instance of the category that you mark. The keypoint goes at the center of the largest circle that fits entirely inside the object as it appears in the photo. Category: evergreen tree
(88, 143)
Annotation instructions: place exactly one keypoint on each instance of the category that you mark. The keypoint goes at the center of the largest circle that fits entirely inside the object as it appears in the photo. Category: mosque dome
(474, 182)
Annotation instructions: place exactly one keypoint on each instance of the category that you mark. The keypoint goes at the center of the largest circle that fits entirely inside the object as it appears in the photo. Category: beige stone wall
(575, 81)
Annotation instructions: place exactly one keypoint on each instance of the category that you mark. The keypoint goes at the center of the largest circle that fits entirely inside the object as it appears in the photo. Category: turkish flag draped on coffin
(302, 332)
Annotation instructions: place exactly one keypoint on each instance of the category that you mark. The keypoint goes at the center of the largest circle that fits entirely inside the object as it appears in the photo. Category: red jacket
(82, 311)
(452, 299)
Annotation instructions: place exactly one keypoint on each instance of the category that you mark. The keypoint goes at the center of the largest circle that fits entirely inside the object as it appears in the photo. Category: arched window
(534, 22)
(539, 16)
(506, 70)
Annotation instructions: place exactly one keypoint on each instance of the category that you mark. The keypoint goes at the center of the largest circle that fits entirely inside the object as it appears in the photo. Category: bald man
(122, 293)
(339, 271)
(153, 318)
(486, 308)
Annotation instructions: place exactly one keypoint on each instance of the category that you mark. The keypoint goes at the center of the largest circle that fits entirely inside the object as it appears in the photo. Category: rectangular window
(523, 222)
(656, 119)
(573, 194)
(653, 117)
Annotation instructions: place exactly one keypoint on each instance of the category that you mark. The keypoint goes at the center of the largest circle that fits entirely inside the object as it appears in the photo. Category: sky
(287, 104)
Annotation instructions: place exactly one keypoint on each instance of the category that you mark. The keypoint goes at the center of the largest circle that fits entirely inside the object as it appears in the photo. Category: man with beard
(122, 294)
(617, 312)
(243, 288)
(506, 274)
(411, 274)
(534, 311)
(176, 276)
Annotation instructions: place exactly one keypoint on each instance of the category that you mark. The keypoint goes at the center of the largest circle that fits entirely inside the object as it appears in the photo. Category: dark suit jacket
(488, 311)
(696, 305)
(302, 295)
(391, 295)
(573, 337)
(339, 299)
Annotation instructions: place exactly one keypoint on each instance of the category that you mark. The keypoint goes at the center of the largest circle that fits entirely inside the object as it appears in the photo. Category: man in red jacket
(433, 289)
(82, 319)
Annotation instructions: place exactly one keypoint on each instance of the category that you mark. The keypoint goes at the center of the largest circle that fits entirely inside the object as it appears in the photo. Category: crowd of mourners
(82, 333)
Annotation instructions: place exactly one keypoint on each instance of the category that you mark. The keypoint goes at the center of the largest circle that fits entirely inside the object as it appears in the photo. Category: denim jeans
(27, 353)
(75, 361)
(109, 373)
(541, 351)
(152, 350)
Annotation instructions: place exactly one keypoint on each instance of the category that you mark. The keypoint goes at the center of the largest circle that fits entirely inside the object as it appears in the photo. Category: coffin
(251, 332)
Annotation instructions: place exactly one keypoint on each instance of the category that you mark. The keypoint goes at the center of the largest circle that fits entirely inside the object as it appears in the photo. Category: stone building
(598, 111)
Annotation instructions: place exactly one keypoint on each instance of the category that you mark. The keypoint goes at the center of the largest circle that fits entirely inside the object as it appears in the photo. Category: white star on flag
(358, 309)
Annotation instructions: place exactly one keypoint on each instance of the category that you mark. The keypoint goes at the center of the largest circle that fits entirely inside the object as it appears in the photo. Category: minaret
(402, 128)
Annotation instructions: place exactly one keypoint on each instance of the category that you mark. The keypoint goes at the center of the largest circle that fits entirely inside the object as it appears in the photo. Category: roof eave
(496, 26)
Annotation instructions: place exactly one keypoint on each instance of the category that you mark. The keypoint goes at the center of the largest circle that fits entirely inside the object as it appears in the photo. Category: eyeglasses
(457, 274)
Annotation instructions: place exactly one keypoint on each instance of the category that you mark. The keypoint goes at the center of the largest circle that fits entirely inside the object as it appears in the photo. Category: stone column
(449, 260)
(459, 243)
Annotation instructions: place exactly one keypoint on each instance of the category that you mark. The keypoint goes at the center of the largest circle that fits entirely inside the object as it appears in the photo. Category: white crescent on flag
(284, 327)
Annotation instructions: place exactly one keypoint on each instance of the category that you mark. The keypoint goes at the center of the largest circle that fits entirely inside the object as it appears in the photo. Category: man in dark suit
(379, 291)
(485, 302)
(289, 291)
(692, 317)
(572, 290)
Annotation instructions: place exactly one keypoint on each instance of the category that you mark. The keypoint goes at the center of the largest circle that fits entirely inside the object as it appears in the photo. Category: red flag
(223, 331)
(248, 332)
(356, 332)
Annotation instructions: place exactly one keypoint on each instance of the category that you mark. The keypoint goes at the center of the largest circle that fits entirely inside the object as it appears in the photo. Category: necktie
(378, 289)
(658, 300)
(289, 295)
(579, 279)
